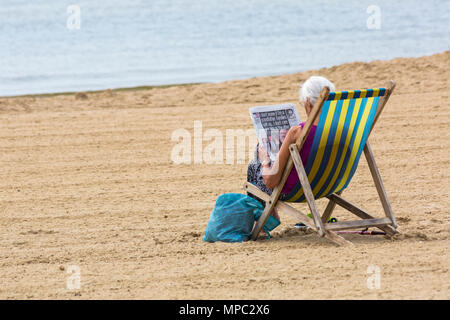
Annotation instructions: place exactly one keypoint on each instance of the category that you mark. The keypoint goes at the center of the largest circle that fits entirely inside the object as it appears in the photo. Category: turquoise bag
(233, 217)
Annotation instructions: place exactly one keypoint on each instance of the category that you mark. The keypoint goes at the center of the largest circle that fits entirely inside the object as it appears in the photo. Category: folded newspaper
(272, 124)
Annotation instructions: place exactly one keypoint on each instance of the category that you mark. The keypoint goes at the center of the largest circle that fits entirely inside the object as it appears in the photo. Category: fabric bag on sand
(233, 217)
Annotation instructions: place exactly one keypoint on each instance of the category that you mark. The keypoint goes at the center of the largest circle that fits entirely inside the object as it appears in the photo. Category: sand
(87, 180)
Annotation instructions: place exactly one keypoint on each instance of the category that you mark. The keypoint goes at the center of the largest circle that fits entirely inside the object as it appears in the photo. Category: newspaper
(272, 124)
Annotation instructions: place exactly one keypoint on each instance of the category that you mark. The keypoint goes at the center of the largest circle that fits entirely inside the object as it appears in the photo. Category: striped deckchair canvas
(346, 120)
(342, 132)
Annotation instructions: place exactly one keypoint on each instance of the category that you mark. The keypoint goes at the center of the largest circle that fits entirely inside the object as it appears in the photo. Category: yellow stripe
(323, 141)
(335, 148)
(347, 142)
(376, 92)
(321, 149)
(363, 94)
(337, 95)
(296, 196)
(357, 142)
(350, 94)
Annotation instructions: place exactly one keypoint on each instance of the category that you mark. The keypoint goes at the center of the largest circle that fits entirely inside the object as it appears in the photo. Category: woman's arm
(272, 175)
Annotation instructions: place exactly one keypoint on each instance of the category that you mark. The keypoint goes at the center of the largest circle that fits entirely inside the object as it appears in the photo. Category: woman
(266, 174)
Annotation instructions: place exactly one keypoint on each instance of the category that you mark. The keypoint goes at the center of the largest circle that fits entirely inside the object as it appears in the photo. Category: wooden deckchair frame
(318, 223)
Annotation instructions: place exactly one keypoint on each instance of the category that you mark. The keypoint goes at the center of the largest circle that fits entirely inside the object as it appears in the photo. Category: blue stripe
(349, 149)
(294, 189)
(363, 139)
(329, 144)
(348, 118)
(314, 148)
(317, 136)
(344, 95)
(356, 94)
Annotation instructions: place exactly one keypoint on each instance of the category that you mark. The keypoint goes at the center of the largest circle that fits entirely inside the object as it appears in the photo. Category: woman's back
(292, 180)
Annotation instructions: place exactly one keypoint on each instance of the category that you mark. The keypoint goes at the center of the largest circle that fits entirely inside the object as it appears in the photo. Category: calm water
(125, 43)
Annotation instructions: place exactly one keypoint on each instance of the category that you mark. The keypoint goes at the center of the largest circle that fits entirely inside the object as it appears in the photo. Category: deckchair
(345, 122)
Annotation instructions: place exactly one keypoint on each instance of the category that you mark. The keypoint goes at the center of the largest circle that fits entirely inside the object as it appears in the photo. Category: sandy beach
(87, 180)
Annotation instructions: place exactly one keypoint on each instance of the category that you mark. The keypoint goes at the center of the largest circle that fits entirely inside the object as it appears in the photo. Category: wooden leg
(379, 184)
(307, 189)
(329, 209)
(287, 209)
(270, 205)
(359, 212)
(330, 235)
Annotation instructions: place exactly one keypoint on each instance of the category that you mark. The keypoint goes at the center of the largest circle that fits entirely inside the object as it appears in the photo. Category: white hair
(312, 87)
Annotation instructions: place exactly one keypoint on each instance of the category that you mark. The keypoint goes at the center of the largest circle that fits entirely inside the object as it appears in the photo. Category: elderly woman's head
(310, 90)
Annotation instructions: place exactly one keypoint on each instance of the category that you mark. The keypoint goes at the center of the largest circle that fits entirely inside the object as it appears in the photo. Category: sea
(50, 46)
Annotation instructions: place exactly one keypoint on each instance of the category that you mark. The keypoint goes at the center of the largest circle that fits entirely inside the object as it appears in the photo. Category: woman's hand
(293, 134)
(263, 156)
(272, 175)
